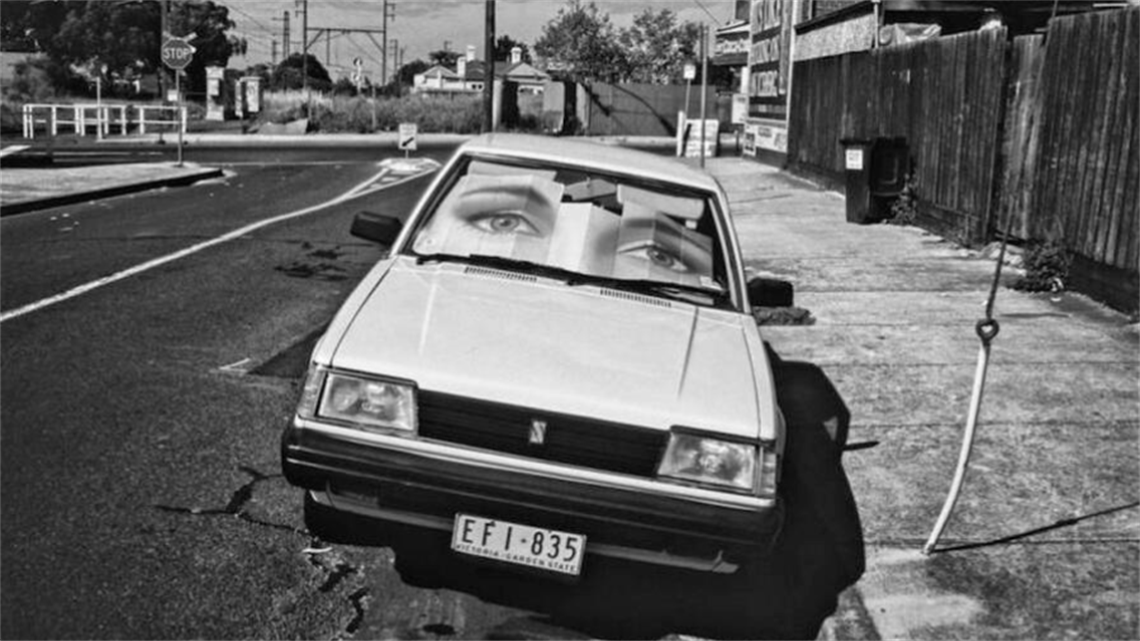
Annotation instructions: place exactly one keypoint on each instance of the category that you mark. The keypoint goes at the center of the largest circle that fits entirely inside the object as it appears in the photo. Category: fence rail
(104, 119)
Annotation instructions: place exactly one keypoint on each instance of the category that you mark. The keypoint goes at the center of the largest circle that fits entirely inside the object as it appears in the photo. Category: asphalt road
(142, 494)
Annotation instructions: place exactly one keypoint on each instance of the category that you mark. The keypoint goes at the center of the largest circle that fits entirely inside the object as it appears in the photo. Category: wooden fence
(1086, 187)
(943, 96)
(1038, 135)
(640, 109)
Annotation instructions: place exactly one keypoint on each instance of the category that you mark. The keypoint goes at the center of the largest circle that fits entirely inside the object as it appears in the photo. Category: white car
(557, 361)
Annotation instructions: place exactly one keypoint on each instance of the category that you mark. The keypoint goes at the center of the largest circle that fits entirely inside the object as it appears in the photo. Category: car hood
(532, 342)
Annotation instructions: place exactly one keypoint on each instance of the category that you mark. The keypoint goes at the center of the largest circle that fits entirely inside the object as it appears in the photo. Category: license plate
(538, 548)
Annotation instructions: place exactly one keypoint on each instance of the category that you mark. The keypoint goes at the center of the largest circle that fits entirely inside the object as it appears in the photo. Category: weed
(1046, 268)
(904, 210)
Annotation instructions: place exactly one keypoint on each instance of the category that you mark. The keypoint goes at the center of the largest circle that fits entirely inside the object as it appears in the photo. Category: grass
(441, 114)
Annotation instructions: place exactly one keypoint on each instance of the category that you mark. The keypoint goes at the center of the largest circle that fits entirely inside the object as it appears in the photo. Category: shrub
(904, 209)
(1046, 268)
(340, 113)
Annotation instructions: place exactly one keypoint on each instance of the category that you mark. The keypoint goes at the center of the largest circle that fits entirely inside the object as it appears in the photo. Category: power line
(259, 23)
(702, 5)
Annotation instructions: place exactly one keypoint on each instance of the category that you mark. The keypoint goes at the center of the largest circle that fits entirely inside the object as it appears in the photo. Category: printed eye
(504, 223)
(659, 256)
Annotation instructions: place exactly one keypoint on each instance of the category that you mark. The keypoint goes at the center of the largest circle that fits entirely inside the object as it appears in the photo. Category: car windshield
(634, 234)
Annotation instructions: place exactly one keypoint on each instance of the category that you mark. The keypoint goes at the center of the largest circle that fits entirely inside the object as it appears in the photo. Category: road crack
(235, 507)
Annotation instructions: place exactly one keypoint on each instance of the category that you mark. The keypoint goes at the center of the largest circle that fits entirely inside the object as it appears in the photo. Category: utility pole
(273, 52)
(284, 20)
(305, 49)
(389, 12)
(704, 86)
(489, 69)
(395, 42)
(161, 41)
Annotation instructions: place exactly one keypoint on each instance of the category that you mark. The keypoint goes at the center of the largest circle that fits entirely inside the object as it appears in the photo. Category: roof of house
(503, 69)
(440, 71)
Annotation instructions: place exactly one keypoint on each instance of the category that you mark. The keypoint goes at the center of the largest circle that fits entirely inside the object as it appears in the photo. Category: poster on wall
(768, 58)
(772, 138)
(749, 144)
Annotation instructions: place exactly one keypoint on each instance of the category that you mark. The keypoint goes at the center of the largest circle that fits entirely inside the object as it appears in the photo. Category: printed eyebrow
(526, 190)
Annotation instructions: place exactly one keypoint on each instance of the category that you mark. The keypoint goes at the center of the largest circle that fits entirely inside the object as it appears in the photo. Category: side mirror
(770, 292)
(377, 228)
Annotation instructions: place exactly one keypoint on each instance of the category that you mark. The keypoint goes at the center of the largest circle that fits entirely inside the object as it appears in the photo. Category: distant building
(470, 75)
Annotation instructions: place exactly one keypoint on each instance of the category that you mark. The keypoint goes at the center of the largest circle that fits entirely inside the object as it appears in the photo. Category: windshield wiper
(662, 288)
(676, 291)
(502, 262)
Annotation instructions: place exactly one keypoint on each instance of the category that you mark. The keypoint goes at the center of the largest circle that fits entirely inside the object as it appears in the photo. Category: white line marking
(12, 149)
(236, 367)
(358, 190)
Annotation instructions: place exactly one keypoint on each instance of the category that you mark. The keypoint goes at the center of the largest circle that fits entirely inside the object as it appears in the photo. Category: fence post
(29, 122)
(54, 121)
(142, 119)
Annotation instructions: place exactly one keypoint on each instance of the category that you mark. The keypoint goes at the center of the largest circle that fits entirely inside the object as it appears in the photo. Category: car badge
(537, 432)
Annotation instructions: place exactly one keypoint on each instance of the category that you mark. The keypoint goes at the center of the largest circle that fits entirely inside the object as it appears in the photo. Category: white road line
(356, 191)
(12, 149)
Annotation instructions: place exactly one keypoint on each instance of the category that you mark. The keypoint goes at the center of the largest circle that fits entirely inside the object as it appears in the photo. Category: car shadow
(616, 599)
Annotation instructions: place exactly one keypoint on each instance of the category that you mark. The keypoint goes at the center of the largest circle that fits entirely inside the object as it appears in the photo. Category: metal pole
(489, 70)
(178, 92)
(161, 41)
(704, 91)
(98, 108)
(384, 45)
(305, 52)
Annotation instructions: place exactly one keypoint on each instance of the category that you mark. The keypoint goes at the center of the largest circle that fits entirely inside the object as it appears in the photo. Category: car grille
(572, 440)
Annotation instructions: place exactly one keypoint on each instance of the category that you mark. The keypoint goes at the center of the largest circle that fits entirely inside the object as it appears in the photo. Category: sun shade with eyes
(521, 216)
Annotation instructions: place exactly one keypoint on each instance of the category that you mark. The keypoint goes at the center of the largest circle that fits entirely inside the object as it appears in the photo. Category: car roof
(593, 154)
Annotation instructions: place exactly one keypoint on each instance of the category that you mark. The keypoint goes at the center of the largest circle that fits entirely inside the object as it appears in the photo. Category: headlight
(366, 403)
(709, 460)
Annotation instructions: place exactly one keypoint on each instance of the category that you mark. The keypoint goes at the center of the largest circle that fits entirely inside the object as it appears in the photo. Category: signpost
(176, 54)
(406, 138)
(358, 73)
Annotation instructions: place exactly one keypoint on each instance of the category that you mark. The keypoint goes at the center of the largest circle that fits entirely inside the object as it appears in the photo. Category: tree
(121, 38)
(208, 22)
(407, 73)
(580, 44)
(288, 74)
(504, 44)
(657, 48)
(444, 57)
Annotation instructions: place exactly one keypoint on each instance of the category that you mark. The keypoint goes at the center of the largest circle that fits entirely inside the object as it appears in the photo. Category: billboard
(769, 61)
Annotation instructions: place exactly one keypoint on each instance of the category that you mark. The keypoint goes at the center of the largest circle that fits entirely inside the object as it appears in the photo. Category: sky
(423, 26)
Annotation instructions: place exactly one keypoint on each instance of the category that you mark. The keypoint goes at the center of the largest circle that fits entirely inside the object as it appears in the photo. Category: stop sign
(177, 53)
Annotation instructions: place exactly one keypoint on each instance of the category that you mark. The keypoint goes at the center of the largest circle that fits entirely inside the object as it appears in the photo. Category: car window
(593, 224)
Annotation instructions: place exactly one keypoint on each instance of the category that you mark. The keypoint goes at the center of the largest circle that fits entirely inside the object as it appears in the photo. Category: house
(469, 75)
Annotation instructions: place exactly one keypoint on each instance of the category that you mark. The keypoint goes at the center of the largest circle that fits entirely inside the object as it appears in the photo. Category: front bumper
(425, 483)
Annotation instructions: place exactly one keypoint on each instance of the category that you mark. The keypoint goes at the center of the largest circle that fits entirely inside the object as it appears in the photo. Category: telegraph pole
(389, 12)
(161, 41)
(489, 70)
(285, 37)
(704, 86)
(305, 49)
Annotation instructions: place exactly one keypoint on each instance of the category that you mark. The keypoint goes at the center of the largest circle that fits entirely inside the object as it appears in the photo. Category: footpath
(1045, 539)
